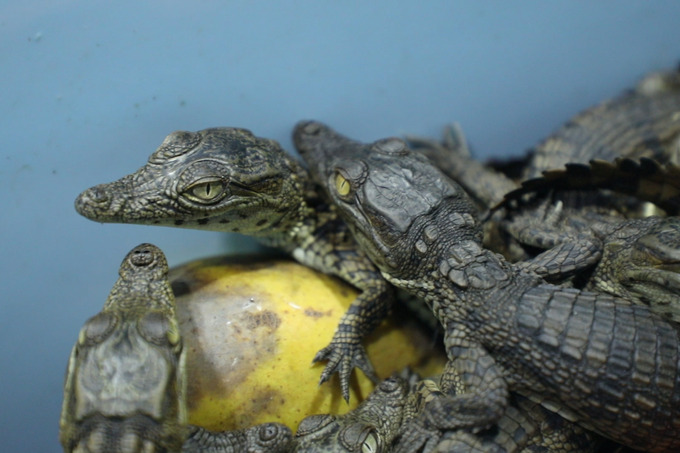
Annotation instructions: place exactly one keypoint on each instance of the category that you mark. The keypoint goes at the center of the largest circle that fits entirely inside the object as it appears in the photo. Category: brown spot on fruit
(316, 313)
(263, 318)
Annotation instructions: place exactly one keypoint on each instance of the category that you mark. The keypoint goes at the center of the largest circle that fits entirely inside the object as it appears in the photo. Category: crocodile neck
(461, 275)
(290, 230)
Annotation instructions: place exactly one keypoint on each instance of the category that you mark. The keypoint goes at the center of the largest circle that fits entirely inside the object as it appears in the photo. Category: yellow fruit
(251, 327)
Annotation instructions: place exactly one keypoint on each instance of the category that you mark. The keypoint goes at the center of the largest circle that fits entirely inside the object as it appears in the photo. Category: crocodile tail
(643, 178)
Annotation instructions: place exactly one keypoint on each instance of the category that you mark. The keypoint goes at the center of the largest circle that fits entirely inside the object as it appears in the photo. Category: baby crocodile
(126, 382)
(264, 438)
(586, 233)
(227, 179)
(602, 362)
(378, 425)
(637, 259)
(642, 122)
(645, 179)
(369, 428)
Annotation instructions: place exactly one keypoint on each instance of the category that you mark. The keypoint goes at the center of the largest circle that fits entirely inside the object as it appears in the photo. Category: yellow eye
(207, 191)
(97, 328)
(371, 444)
(342, 185)
(359, 436)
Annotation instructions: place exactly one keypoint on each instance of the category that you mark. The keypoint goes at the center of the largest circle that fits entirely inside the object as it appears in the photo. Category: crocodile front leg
(524, 426)
(641, 262)
(333, 255)
(565, 255)
(475, 396)
(567, 251)
(345, 351)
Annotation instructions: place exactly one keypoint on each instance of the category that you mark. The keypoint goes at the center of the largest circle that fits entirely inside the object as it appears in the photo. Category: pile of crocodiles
(555, 279)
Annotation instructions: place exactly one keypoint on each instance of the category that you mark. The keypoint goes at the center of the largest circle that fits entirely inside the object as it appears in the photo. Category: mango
(252, 325)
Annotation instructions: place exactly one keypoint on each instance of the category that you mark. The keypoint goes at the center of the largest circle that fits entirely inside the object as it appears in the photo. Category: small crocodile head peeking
(223, 179)
(394, 200)
(370, 428)
(126, 379)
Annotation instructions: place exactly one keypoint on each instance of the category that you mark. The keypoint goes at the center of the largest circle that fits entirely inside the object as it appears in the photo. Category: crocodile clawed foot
(417, 435)
(342, 358)
(659, 288)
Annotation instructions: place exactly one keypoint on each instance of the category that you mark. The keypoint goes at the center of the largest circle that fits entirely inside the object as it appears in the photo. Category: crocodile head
(125, 382)
(223, 179)
(370, 427)
(264, 438)
(394, 200)
(267, 437)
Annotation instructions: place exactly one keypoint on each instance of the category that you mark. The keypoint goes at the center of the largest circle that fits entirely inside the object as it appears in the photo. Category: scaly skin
(643, 122)
(637, 259)
(525, 426)
(226, 179)
(577, 228)
(599, 361)
(645, 179)
(125, 383)
(379, 425)
(126, 380)
(264, 438)
(370, 427)
(645, 263)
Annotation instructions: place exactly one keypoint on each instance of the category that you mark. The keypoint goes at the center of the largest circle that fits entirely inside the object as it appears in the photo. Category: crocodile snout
(93, 202)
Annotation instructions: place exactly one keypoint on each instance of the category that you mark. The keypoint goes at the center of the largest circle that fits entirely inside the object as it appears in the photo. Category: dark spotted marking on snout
(225, 221)
(179, 222)
(261, 222)
(203, 221)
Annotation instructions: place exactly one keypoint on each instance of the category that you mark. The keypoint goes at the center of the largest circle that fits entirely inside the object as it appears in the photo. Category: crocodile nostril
(97, 195)
(311, 128)
(142, 256)
(92, 197)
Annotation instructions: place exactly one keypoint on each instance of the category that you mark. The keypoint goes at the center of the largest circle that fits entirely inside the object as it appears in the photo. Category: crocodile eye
(342, 185)
(268, 432)
(391, 385)
(371, 444)
(206, 190)
(159, 329)
(97, 328)
(363, 436)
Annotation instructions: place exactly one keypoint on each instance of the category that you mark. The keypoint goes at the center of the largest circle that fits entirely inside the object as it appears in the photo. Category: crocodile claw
(417, 436)
(342, 357)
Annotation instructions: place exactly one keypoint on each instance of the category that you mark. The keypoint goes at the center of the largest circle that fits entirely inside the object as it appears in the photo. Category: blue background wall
(89, 89)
